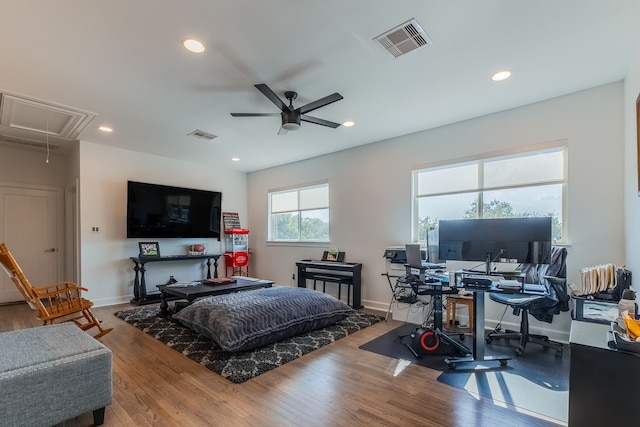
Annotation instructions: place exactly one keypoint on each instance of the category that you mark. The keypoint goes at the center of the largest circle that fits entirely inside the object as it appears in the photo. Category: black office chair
(542, 307)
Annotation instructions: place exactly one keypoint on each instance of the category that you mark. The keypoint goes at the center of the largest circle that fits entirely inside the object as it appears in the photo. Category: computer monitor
(525, 240)
(414, 255)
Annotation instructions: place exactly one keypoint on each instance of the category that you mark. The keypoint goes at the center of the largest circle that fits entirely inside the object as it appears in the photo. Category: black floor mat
(537, 380)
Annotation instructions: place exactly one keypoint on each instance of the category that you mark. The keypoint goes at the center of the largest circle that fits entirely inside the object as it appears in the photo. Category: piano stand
(340, 280)
(343, 273)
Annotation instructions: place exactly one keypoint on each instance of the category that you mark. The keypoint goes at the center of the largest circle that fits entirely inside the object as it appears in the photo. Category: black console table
(140, 296)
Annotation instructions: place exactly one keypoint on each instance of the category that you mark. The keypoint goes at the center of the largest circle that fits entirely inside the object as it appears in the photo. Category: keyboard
(534, 288)
(476, 282)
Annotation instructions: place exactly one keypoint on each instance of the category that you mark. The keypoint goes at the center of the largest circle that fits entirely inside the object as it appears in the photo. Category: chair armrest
(57, 289)
(556, 280)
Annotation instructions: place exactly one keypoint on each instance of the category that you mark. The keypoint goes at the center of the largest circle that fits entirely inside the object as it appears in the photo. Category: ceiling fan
(291, 117)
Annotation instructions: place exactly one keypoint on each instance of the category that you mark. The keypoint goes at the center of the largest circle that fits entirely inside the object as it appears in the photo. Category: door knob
(50, 250)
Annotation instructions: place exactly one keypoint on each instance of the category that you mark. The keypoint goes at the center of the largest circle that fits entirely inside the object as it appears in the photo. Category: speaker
(427, 341)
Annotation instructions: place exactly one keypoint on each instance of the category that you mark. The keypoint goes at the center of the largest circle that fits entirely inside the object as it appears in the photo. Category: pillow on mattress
(246, 320)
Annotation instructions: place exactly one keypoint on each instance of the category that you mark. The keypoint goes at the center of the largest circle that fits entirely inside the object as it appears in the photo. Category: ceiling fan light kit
(291, 126)
(291, 117)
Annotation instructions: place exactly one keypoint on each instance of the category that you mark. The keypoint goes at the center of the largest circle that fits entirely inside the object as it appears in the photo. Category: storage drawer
(591, 310)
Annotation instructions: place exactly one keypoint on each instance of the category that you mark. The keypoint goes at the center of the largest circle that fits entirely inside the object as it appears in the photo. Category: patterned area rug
(241, 366)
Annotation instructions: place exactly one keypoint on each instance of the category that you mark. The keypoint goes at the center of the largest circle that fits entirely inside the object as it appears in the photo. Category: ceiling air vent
(202, 135)
(404, 38)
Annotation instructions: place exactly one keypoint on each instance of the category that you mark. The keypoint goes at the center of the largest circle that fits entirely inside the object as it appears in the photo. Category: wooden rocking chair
(59, 302)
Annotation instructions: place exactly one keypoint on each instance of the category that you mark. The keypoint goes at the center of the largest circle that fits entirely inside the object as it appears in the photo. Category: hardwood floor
(337, 385)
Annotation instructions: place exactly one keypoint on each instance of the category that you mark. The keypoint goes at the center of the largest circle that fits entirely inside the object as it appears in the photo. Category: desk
(478, 334)
(427, 283)
(478, 326)
(435, 287)
(602, 382)
(308, 267)
(479, 337)
(140, 295)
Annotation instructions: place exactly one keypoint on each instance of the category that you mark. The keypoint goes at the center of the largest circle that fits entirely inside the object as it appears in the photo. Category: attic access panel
(22, 118)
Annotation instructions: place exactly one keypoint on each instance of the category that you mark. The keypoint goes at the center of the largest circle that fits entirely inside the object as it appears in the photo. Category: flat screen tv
(162, 211)
(525, 240)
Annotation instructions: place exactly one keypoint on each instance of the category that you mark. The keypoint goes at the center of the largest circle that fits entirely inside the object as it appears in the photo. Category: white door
(28, 226)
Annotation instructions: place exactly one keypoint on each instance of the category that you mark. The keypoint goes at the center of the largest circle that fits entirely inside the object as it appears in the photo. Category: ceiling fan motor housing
(290, 120)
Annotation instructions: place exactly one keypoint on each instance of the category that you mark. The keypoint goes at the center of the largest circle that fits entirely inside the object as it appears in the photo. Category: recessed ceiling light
(235, 159)
(501, 75)
(348, 124)
(193, 45)
(105, 129)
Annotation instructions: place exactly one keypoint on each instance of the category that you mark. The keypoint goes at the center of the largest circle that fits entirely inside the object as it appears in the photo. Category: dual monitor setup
(515, 240)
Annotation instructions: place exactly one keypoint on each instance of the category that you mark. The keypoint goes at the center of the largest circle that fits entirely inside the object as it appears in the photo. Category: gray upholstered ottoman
(50, 374)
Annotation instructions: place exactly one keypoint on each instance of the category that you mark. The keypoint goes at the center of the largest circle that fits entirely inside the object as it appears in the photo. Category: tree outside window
(300, 214)
(530, 184)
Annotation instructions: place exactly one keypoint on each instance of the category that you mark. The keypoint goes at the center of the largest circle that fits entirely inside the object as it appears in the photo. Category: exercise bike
(432, 340)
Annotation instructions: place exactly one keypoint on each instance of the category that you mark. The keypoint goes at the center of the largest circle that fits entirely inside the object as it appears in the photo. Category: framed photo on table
(149, 249)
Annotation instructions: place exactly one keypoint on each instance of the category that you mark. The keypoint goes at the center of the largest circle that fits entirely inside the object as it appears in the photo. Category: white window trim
(490, 154)
(298, 187)
(480, 158)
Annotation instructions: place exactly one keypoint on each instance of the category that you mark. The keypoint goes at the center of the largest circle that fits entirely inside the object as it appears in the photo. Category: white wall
(29, 167)
(631, 190)
(104, 171)
(370, 188)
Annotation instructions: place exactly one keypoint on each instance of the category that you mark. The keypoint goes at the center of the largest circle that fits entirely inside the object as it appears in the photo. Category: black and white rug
(242, 366)
(536, 381)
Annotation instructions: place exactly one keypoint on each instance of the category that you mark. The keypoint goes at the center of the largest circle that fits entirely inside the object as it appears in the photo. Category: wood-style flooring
(337, 385)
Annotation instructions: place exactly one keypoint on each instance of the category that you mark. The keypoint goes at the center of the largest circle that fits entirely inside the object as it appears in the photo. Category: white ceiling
(123, 60)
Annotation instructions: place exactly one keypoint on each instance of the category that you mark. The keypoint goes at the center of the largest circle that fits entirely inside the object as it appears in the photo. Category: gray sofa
(50, 374)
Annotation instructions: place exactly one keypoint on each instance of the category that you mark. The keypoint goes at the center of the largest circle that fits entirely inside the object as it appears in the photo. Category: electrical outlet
(293, 276)
(95, 229)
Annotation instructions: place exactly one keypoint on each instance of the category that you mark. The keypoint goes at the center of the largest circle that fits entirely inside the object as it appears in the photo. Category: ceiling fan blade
(319, 121)
(255, 114)
(266, 91)
(319, 103)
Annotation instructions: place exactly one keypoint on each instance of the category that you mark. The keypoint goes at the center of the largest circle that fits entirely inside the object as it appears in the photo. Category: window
(526, 184)
(299, 214)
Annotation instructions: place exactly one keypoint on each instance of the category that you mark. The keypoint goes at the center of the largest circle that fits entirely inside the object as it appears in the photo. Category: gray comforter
(250, 319)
